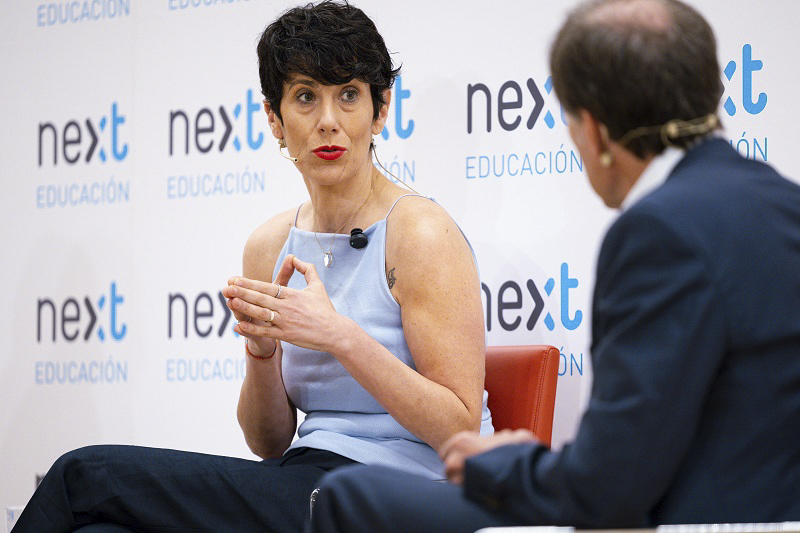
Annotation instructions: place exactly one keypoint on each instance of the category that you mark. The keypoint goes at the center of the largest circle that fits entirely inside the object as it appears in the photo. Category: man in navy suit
(694, 414)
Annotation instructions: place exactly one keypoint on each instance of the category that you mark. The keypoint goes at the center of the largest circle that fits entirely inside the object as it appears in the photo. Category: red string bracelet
(263, 358)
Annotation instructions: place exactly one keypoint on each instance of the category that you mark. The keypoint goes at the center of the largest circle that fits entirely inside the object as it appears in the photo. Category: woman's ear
(383, 113)
(274, 122)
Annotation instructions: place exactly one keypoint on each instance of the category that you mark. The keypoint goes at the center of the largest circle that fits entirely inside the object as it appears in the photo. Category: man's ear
(275, 124)
(383, 113)
(594, 132)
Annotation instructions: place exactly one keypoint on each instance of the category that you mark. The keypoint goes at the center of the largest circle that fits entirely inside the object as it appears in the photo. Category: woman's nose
(328, 119)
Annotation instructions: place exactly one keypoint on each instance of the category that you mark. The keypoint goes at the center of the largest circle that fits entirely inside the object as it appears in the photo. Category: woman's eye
(305, 96)
(350, 95)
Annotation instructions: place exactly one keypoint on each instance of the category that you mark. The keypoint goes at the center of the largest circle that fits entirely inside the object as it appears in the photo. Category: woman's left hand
(304, 318)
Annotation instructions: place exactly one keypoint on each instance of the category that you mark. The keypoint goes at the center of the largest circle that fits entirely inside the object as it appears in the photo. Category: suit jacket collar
(654, 176)
(671, 161)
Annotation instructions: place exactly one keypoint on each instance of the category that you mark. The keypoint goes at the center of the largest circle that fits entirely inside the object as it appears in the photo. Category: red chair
(521, 382)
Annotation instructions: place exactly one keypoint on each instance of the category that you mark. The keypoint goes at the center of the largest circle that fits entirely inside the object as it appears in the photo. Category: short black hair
(631, 73)
(331, 42)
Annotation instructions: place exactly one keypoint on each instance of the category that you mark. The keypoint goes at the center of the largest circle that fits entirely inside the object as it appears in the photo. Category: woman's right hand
(249, 309)
(305, 318)
(267, 417)
(259, 345)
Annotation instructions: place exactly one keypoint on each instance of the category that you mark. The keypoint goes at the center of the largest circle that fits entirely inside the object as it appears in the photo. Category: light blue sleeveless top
(341, 416)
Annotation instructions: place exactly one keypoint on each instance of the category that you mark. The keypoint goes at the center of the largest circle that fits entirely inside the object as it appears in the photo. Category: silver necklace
(327, 257)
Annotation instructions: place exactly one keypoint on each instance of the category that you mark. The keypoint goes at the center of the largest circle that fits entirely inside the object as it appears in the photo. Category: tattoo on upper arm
(390, 279)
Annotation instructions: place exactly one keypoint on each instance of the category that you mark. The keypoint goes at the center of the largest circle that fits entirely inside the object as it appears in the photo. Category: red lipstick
(329, 153)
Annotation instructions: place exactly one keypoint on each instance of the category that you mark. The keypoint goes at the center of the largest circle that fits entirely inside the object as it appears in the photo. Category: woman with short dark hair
(376, 334)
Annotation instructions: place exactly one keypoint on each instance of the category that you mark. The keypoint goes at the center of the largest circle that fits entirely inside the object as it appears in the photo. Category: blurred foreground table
(793, 527)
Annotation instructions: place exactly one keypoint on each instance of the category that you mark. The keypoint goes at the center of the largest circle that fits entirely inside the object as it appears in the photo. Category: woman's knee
(82, 461)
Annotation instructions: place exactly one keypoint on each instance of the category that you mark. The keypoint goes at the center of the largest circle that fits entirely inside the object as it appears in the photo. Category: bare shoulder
(420, 224)
(423, 242)
(264, 245)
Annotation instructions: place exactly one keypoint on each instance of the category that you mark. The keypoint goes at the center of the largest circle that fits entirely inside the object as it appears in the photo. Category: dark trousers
(372, 498)
(149, 489)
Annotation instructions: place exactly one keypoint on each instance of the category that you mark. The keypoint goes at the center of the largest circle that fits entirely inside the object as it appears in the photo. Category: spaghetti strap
(297, 215)
(403, 196)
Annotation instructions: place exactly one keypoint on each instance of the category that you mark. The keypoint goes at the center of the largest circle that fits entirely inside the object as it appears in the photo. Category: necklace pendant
(328, 259)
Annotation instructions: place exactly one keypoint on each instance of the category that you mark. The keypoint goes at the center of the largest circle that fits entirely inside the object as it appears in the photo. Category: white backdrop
(135, 163)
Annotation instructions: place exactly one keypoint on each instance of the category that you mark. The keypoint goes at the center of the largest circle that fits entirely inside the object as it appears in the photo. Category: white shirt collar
(654, 175)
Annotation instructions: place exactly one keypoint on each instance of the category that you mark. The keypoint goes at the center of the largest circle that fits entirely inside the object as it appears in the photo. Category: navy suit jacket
(694, 415)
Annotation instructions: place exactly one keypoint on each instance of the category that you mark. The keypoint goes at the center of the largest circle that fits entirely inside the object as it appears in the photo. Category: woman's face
(328, 128)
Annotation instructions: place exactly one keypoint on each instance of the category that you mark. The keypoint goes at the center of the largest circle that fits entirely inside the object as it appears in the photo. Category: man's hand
(458, 448)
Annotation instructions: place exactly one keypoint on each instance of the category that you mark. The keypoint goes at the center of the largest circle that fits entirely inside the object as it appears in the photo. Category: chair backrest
(521, 382)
